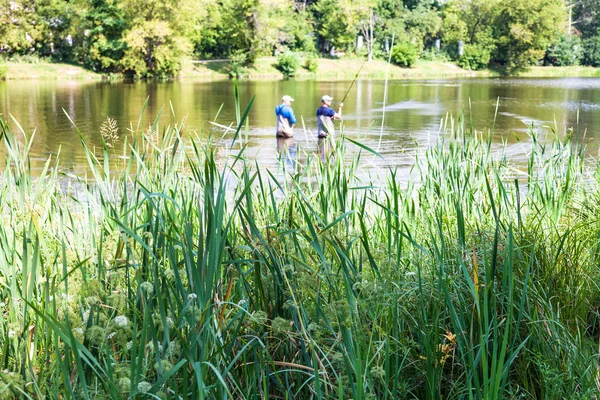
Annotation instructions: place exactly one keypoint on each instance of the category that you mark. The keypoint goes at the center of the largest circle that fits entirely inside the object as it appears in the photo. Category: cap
(287, 98)
(326, 98)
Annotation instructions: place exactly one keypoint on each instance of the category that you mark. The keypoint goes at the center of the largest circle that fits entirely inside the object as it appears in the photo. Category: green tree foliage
(568, 50)
(586, 16)
(56, 21)
(101, 46)
(423, 23)
(591, 50)
(333, 24)
(152, 38)
(155, 46)
(475, 56)
(28, 26)
(238, 29)
(524, 30)
(15, 23)
(470, 22)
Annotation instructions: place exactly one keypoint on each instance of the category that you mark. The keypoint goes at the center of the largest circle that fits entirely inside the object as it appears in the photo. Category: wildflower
(173, 349)
(92, 300)
(163, 366)
(95, 335)
(129, 345)
(12, 334)
(85, 317)
(147, 288)
(144, 387)
(118, 301)
(111, 335)
(378, 372)
(124, 384)
(121, 321)
(280, 325)
(170, 275)
(260, 317)
(192, 296)
(289, 305)
(170, 322)
(110, 131)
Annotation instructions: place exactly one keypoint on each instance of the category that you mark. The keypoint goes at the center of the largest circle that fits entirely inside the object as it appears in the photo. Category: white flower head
(147, 287)
(121, 321)
(144, 387)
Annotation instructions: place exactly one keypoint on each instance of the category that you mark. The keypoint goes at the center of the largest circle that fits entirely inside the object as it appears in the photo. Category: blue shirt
(325, 111)
(286, 111)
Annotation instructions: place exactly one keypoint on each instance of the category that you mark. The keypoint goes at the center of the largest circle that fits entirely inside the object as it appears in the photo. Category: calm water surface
(411, 119)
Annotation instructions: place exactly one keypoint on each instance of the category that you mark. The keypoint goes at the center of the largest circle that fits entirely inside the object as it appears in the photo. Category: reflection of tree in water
(286, 151)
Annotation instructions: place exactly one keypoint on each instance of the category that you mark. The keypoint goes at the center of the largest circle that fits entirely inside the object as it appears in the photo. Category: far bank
(264, 70)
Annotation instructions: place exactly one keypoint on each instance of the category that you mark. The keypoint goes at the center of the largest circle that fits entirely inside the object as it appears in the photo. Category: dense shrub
(237, 64)
(591, 51)
(568, 50)
(405, 54)
(432, 54)
(311, 64)
(288, 63)
(475, 56)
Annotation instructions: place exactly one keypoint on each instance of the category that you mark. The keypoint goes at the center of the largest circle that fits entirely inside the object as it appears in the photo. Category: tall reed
(177, 270)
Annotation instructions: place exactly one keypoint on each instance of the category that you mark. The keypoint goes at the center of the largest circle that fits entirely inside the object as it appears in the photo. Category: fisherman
(285, 117)
(326, 115)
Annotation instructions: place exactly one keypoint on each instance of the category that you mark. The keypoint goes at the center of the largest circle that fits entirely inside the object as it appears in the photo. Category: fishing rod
(356, 77)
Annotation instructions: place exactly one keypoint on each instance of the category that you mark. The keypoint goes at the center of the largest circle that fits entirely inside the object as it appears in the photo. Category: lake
(411, 119)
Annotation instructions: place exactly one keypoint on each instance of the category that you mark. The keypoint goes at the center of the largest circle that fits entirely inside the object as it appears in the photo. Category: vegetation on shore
(150, 38)
(175, 269)
(265, 69)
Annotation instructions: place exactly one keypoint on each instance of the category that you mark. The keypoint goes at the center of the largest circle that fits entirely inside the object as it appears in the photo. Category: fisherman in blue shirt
(326, 115)
(285, 117)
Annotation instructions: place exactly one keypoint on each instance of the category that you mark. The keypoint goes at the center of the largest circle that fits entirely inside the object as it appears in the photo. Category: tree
(16, 27)
(100, 45)
(333, 24)
(363, 17)
(586, 17)
(524, 30)
(472, 23)
(155, 45)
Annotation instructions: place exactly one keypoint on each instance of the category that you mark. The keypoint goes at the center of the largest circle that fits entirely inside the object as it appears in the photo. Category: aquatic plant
(174, 271)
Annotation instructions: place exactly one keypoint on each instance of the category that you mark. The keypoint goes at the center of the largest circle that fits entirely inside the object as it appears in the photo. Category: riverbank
(328, 69)
(49, 71)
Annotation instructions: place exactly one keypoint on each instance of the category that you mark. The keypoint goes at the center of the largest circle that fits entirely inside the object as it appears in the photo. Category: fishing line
(387, 71)
(356, 77)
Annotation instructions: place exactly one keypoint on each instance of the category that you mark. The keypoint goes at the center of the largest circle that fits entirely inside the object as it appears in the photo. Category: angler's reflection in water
(325, 148)
(286, 151)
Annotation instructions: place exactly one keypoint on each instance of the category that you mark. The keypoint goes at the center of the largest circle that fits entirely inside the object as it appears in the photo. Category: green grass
(174, 271)
(264, 69)
(328, 69)
(48, 71)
